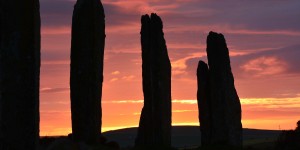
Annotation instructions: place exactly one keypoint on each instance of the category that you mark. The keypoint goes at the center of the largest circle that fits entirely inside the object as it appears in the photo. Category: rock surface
(155, 122)
(19, 74)
(87, 50)
(223, 104)
(204, 103)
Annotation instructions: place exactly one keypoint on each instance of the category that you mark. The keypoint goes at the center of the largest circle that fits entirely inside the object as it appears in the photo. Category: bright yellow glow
(260, 113)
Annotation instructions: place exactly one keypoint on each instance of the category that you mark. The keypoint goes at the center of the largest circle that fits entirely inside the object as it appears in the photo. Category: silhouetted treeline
(289, 139)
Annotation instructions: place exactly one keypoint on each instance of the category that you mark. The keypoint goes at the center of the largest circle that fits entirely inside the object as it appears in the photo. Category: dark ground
(183, 138)
(190, 136)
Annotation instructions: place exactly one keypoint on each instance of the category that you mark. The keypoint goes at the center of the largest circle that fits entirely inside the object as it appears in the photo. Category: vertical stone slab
(155, 122)
(87, 51)
(19, 74)
(225, 103)
(204, 103)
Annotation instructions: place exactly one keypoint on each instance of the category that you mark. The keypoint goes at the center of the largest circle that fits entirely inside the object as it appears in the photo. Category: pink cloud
(265, 66)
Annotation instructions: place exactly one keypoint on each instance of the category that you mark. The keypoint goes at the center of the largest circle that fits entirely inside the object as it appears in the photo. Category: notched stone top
(154, 19)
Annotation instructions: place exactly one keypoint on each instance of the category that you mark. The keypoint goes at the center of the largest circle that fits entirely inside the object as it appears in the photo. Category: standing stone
(225, 103)
(204, 103)
(87, 50)
(19, 74)
(155, 122)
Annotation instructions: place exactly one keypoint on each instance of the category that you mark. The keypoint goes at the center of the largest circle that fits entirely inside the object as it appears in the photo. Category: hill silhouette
(188, 136)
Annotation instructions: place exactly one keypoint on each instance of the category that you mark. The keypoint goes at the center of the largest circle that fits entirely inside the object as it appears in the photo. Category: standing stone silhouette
(204, 103)
(225, 104)
(155, 122)
(87, 50)
(19, 74)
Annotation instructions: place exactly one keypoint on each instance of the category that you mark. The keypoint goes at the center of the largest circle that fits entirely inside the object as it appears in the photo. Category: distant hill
(189, 136)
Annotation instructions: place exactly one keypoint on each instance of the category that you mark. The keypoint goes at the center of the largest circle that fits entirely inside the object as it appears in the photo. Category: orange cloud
(128, 78)
(115, 73)
(114, 79)
(56, 30)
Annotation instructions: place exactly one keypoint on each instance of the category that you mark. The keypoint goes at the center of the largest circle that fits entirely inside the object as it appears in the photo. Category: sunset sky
(264, 44)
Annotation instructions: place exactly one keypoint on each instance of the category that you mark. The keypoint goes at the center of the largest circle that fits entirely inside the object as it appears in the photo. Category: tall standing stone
(204, 103)
(87, 50)
(225, 103)
(155, 122)
(19, 74)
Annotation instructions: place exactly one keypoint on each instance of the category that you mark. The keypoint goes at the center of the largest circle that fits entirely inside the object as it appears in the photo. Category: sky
(263, 38)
